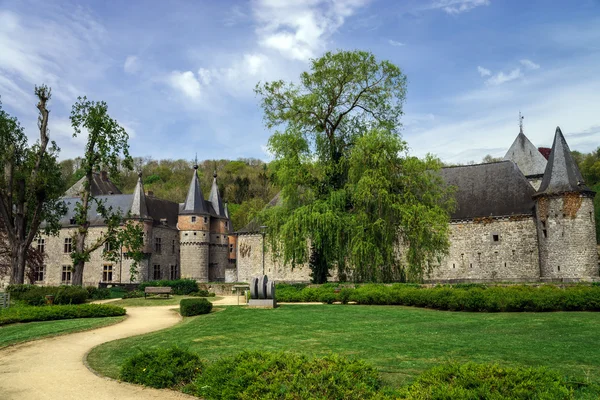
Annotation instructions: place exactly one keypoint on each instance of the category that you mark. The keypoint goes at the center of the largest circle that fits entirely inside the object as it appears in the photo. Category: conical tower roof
(139, 209)
(527, 157)
(194, 202)
(215, 198)
(562, 174)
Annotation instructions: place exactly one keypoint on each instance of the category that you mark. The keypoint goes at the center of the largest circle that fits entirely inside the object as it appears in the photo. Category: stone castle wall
(219, 256)
(567, 237)
(194, 254)
(168, 257)
(476, 256)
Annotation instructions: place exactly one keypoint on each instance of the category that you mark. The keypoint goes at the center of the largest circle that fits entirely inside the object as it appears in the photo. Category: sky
(179, 75)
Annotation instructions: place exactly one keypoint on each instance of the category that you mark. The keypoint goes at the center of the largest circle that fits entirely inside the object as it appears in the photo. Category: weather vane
(521, 118)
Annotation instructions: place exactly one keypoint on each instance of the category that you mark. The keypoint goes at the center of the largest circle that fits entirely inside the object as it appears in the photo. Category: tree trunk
(18, 255)
(77, 278)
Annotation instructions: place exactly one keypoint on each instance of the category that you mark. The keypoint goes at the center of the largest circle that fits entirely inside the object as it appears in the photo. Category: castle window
(471, 265)
(194, 233)
(545, 233)
(206, 220)
(72, 221)
(504, 265)
(107, 273)
(226, 224)
(38, 273)
(453, 265)
(558, 268)
(41, 245)
(156, 272)
(478, 256)
(231, 248)
(496, 237)
(68, 245)
(173, 272)
(158, 245)
(66, 275)
(173, 247)
(107, 247)
(193, 219)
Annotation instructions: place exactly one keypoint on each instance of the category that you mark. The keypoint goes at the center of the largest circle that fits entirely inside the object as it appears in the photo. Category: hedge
(49, 313)
(180, 286)
(191, 307)
(477, 298)
(62, 295)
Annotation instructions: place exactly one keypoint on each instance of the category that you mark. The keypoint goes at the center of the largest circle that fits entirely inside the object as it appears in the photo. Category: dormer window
(193, 219)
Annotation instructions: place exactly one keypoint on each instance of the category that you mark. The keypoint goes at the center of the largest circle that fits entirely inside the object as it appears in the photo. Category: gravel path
(54, 368)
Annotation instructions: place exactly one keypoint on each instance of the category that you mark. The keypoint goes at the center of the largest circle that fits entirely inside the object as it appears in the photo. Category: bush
(488, 381)
(202, 293)
(49, 313)
(180, 286)
(134, 294)
(260, 375)
(191, 307)
(62, 295)
(95, 293)
(17, 291)
(161, 368)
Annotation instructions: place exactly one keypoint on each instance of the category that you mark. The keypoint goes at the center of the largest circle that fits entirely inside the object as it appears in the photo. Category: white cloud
(186, 83)
(131, 65)
(396, 43)
(458, 6)
(484, 71)
(529, 64)
(300, 29)
(501, 77)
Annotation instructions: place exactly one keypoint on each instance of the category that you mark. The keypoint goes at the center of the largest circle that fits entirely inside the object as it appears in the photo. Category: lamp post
(263, 230)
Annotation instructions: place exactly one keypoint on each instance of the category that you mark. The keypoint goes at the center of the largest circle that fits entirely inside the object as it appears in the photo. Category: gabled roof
(562, 174)
(139, 209)
(527, 157)
(194, 202)
(495, 189)
(100, 185)
(215, 198)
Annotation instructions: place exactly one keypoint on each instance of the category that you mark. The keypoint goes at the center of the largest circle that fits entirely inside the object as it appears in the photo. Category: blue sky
(179, 75)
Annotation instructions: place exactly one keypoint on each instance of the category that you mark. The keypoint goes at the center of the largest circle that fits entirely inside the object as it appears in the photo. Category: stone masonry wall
(219, 256)
(194, 255)
(567, 237)
(169, 253)
(476, 256)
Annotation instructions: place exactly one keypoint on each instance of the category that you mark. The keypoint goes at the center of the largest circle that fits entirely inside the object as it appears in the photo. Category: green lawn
(17, 333)
(400, 341)
(155, 301)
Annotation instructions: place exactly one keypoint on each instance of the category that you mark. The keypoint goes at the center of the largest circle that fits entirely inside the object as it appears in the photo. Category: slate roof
(495, 189)
(194, 202)
(562, 174)
(215, 198)
(527, 157)
(98, 185)
(138, 206)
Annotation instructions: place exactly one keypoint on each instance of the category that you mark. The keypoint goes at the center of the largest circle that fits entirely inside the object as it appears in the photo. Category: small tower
(194, 233)
(565, 219)
(527, 157)
(219, 228)
(138, 212)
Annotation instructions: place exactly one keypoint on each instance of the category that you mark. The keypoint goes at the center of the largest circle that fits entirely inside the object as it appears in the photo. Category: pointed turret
(138, 204)
(194, 202)
(215, 198)
(527, 157)
(562, 174)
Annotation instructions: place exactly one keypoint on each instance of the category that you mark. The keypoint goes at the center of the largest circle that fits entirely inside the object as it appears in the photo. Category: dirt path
(53, 368)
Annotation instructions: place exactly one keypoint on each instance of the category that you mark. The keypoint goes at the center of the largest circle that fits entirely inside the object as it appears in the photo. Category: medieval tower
(565, 219)
(194, 233)
(219, 229)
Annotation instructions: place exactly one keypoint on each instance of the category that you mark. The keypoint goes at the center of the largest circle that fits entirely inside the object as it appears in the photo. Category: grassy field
(400, 341)
(155, 301)
(17, 333)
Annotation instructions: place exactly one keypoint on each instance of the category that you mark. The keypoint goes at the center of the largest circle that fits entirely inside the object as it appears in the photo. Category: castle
(523, 219)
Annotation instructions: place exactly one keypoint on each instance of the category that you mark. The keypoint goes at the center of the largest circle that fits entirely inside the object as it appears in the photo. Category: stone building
(190, 240)
(523, 219)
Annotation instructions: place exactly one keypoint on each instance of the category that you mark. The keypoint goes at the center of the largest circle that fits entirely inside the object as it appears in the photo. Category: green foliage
(62, 295)
(18, 290)
(180, 286)
(202, 293)
(265, 375)
(489, 381)
(161, 368)
(134, 294)
(95, 293)
(191, 307)
(48, 313)
(348, 186)
(474, 298)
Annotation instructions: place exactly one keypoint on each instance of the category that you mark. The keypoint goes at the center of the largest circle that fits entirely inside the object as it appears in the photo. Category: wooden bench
(158, 290)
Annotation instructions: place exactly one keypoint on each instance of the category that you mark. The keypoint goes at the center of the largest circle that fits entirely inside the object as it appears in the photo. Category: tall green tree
(106, 148)
(30, 185)
(349, 190)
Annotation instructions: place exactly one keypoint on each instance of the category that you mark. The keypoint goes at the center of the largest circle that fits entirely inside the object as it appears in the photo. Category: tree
(31, 185)
(106, 143)
(349, 190)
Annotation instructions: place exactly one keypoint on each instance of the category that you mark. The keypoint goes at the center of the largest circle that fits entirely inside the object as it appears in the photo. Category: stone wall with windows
(165, 253)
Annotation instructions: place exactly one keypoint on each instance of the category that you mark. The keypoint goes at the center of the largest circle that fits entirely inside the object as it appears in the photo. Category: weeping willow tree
(352, 198)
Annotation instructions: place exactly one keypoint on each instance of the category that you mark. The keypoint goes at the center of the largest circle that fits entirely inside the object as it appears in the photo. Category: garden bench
(158, 290)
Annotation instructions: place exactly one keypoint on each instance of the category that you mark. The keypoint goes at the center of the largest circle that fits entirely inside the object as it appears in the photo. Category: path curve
(54, 368)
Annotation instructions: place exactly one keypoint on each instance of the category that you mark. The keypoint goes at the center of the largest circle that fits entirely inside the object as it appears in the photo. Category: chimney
(104, 176)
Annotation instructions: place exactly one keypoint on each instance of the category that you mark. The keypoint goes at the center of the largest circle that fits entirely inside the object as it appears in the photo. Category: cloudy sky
(179, 75)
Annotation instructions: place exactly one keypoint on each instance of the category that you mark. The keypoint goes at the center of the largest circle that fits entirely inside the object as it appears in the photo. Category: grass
(173, 300)
(17, 333)
(400, 341)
